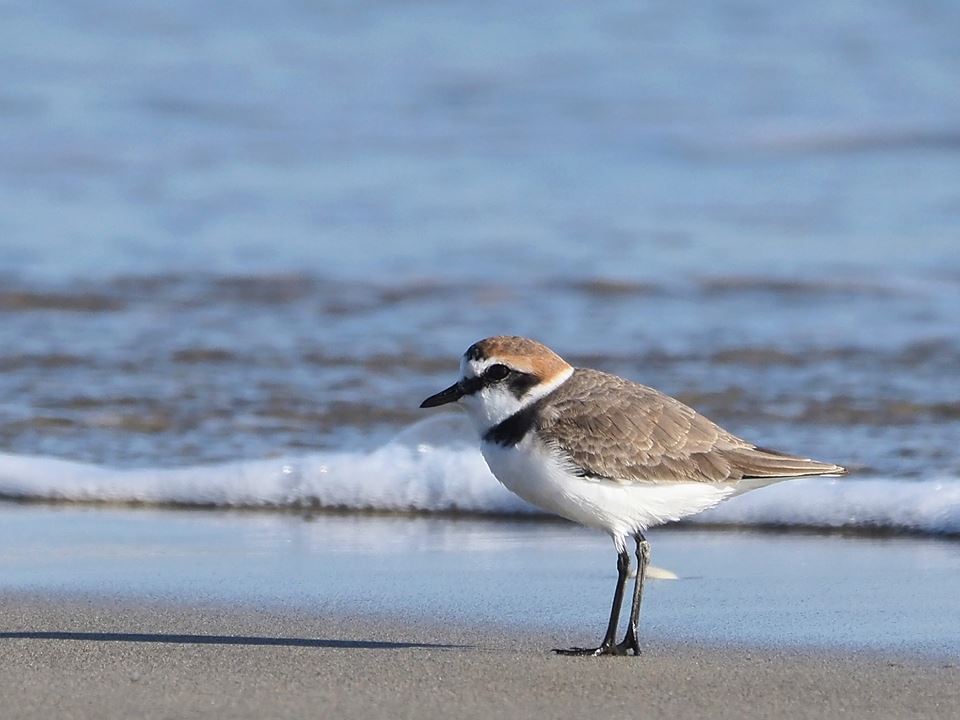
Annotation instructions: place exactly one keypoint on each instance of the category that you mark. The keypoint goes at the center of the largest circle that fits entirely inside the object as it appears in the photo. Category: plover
(604, 452)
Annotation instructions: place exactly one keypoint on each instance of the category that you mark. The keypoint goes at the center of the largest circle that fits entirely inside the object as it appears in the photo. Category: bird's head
(500, 376)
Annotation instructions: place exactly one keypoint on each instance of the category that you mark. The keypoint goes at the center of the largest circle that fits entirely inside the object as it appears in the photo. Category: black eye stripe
(518, 382)
(468, 386)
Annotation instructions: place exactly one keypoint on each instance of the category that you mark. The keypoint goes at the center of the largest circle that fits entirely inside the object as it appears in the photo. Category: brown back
(619, 430)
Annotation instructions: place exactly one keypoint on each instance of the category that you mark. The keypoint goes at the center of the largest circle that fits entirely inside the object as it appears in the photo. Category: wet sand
(92, 658)
(735, 587)
(157, 613)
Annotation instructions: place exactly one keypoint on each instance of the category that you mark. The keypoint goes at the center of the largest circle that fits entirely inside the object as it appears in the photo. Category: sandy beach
(145, 613)
(86, 658)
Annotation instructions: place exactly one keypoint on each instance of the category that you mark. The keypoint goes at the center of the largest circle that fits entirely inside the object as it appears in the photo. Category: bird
(605, 452)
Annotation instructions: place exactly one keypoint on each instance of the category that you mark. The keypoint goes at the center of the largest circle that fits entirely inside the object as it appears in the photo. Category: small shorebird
(604, 452)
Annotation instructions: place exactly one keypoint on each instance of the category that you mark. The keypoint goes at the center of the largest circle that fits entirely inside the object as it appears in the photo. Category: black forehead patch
(474, 352)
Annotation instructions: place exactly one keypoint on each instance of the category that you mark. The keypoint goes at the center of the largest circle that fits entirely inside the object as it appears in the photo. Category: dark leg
(630, 641)
(609, 646)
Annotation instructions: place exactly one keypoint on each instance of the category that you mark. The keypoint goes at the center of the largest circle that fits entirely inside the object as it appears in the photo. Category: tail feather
(758, 462)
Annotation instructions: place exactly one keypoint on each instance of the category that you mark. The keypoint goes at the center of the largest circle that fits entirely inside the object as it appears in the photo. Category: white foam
(435, 466)
(927, 506)
(428, 467)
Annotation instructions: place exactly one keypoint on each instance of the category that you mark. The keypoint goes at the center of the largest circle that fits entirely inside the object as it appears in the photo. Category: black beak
(451, 394)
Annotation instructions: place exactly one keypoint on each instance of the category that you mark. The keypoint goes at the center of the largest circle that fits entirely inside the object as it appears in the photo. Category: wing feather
(611, 428)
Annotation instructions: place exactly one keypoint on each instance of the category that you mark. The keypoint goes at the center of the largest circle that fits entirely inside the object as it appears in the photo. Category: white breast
(539, 476)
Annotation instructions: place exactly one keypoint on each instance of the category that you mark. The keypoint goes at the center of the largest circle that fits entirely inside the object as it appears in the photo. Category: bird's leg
(630, 641)
(609, 646)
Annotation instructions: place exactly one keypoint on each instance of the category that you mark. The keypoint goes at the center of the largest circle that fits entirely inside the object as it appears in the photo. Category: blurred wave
(434, 467)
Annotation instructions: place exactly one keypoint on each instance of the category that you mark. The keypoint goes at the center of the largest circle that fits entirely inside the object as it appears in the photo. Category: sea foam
(435, 466)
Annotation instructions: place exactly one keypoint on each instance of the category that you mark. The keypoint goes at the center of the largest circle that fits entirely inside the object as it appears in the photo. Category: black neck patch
(513, 429)
(509, 432)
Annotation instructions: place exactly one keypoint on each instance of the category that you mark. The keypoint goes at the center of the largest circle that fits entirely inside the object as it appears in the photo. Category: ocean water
(237, 249)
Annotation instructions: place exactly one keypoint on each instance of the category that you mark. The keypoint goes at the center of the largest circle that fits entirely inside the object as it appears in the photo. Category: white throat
(493, 404)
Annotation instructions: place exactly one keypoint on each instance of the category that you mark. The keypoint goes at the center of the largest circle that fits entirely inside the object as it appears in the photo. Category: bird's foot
(628, 645)
(605, 649)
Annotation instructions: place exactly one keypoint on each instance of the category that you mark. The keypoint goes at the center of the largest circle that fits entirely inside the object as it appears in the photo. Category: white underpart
(543, 477)
(540, 476)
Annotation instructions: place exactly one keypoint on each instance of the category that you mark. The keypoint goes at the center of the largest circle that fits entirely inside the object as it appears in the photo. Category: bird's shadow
(251, 640)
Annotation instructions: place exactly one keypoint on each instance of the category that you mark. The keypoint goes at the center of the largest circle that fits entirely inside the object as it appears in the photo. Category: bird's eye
(496, 373)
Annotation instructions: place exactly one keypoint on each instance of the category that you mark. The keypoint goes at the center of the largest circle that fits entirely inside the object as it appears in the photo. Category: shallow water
(271, 234)
(734, 587)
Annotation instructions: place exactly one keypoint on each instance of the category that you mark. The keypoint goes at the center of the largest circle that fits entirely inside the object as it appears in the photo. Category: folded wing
(614, 429)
